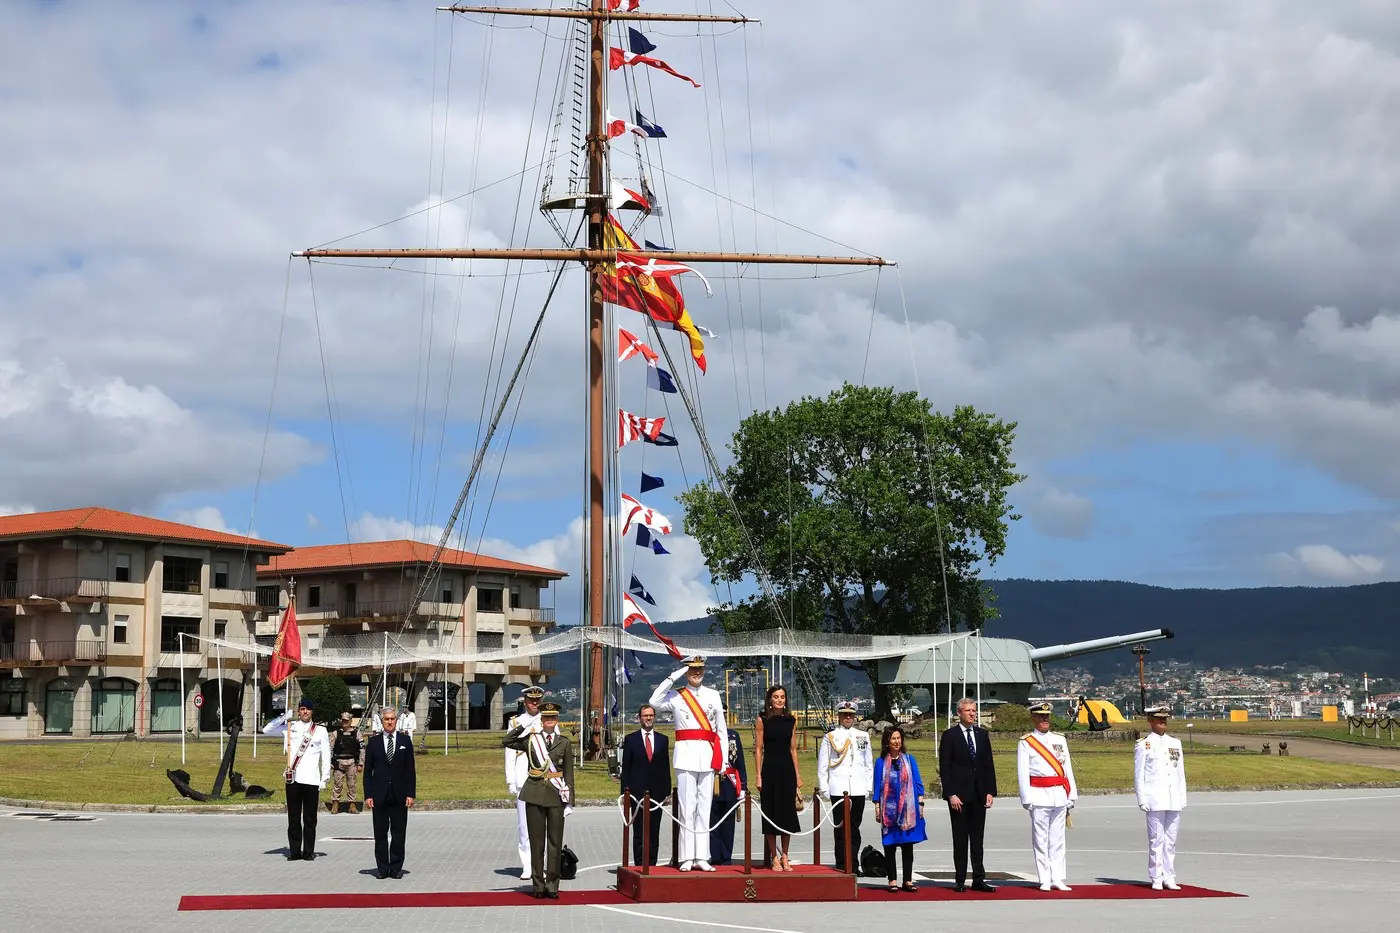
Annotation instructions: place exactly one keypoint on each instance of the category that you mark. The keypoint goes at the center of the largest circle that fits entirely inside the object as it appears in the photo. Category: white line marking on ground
(702, 923)
(1317, 858)
(595, 867)
(1256, 803)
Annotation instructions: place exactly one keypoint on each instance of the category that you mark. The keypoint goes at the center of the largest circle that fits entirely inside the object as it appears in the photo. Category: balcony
(389, 612)
(62, 589)
(52, 653)
(534, 618)
(530, 670)
(240, 600)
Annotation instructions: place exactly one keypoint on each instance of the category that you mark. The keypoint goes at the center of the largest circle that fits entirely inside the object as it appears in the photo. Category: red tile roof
(391, 553)
(97, 521)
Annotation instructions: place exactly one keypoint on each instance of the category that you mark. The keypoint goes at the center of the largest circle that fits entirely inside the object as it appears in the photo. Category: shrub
(330, 697)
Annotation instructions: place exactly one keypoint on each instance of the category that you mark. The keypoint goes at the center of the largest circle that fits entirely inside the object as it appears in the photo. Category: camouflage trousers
(343, 776)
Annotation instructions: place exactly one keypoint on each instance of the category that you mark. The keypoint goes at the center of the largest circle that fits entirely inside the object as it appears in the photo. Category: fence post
(816, 828)
(628, 814)
(846, 823)
(675, 831)
(748, 833)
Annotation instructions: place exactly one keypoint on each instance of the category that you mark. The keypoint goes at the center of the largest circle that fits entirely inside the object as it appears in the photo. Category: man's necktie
(392, 744)
(971, 745)
(647, 736)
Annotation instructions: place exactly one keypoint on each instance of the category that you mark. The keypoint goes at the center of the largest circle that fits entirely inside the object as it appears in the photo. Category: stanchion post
(629, 815)
(846, 826)
(675, 831)
(816, 828)
(646, 833)
(748, 834)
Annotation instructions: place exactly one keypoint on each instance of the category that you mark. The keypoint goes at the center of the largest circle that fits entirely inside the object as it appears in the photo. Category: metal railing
(531, 616)
(53, 652)
(59, 588)
(393, 609)
(178, 586)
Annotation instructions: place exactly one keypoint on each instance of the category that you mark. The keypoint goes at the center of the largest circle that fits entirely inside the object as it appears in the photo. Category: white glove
(1071, 804)
(680, 674)
(514, 790)
(568, 811)
(1142, 807)
(1026, 806)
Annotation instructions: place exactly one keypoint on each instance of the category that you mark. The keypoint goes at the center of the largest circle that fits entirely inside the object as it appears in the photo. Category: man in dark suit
(732, 779)
(646, 768)
(391, 783)
(969, 780)
(548, 793)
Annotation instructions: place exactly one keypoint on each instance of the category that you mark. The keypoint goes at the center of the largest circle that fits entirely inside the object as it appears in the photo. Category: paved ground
(1304, 858)
(1320, 749)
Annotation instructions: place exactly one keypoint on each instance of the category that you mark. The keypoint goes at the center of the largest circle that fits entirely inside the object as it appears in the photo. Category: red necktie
(647, 736)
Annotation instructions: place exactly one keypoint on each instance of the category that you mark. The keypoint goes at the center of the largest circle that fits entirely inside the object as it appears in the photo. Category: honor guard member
(701, 740)
(724, 814)
(517, 770)
(308, 751)
(1159, 777)
(1048, 791)
(845, 766)
(548, 792)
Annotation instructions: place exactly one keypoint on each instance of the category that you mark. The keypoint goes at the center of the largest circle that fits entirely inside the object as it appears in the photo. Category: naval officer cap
(694, 661)
(1041, 709)
(532, 693)
(306, 704)
(549, 711)
(1159, 712)
(846, 708)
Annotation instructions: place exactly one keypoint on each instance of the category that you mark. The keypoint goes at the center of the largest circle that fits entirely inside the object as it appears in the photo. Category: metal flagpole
(184, 700)
(257, 692)
(444, 700)
(219, 666)
(979, 674)
(964, 680)
(949, 712)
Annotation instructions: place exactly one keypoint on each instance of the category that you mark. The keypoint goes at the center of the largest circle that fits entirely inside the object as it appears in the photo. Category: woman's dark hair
(768, 711)
(885, 741)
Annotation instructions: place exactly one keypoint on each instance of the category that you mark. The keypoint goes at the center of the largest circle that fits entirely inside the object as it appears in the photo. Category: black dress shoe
(309, 857)
(396, 874)
(552, 895)
(960, 887)
(381, 875)
(983, 887)
(293, 857)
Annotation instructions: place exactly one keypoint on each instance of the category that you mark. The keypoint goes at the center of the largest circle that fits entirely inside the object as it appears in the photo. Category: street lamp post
(1141, 651)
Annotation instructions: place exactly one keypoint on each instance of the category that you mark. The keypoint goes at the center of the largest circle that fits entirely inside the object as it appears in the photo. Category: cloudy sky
(1159, 236)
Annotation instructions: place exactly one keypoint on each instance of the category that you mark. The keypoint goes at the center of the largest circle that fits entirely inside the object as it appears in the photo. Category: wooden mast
(596, 259)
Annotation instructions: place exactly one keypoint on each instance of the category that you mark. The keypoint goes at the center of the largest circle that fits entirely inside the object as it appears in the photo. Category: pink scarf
(899, 812)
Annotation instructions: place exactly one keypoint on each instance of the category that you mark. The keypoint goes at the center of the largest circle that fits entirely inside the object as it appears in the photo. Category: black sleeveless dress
(778, 799)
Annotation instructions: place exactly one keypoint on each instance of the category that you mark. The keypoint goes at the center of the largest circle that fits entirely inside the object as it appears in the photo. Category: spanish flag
(645, 285)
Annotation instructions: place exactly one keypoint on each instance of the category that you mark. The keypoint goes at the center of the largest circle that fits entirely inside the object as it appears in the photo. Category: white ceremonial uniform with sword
(1048, 791)
(1159, 777)
(517, 772)
(701, 735)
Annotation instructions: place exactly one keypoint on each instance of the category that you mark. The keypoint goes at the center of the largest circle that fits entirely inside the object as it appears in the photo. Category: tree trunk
(882, 692)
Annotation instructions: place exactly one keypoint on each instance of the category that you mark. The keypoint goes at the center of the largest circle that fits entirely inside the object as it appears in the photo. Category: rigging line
(753, 196)
(267, 426)
(932, 476)
(391, 267)
(427, 208)
(870, 334)
(330, 412)
(484, 81)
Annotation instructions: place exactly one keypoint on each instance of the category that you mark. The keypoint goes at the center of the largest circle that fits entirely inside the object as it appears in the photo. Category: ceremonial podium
(736, 883)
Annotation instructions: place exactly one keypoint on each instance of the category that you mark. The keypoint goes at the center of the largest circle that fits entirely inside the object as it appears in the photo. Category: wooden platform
(728, 883)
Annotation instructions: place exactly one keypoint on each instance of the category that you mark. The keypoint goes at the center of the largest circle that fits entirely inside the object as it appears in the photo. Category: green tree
(329, 696)
(844, 501)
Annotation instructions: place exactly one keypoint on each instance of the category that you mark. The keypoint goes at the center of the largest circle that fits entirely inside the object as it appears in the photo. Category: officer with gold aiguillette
(548, 793)
(845, 766)
(1159, 778)
(1048, 792)
(517, 770)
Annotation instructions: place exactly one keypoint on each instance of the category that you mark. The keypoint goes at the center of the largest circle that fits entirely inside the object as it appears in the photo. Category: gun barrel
(1075, 648)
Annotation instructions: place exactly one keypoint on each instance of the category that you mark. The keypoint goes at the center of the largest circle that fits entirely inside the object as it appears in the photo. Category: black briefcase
(872, 862)
(568, 864)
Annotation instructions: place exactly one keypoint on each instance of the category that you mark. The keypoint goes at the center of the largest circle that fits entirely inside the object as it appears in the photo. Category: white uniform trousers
(694, 791)
(522, 841)
(1161, 844)
(1048, 843)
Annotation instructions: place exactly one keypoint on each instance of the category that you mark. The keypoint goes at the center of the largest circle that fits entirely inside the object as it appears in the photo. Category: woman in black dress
(775, 746)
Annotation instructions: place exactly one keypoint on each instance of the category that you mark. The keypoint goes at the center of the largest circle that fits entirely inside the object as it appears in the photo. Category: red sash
(1058, 779)
(705, 733)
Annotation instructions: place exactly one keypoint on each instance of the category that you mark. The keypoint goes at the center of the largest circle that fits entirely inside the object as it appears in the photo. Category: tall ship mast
(620, 273)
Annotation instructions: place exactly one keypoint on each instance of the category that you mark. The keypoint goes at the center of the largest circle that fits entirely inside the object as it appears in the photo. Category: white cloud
(1324, 562)
(16, 509)
(370, 527)
(208, 516)
(1057, 513)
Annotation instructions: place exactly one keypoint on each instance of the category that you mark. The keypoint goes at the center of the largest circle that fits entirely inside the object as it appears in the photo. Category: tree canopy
(841, 501)
(329, 695)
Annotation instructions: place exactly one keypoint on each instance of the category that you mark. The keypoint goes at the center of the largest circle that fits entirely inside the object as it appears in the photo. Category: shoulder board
(1026, 736)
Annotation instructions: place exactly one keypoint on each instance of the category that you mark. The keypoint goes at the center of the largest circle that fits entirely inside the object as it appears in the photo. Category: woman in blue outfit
(899, 802)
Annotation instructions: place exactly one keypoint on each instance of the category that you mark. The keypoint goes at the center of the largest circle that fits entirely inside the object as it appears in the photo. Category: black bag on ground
(568, 864)
(872, 862)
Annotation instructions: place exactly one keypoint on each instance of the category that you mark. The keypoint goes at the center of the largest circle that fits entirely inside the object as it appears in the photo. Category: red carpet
(927, 892)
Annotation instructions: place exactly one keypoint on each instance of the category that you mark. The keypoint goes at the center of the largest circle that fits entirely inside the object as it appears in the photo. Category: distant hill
(1344, 628)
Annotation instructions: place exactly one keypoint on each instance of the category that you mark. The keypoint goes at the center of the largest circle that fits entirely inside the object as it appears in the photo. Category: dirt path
(1320, 749)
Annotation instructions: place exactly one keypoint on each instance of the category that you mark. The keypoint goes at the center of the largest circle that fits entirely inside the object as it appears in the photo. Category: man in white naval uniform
(518, 771)
(845, 766)
(1048, 791)
(701, 735)
(1159, 777)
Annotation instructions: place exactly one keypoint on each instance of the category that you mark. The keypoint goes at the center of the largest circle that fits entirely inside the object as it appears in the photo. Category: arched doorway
(114, 706)
(209, 712)
(165, 705)
(58, 707)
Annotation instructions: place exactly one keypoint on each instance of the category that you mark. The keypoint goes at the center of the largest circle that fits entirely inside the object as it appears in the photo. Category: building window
(270, 597)
(515, 597)
(220, 628)
(172, 628)
(488, 600)
(182, 575)
(119, 630)
(313, 597)
(58, 707)
(447, 594)
(114, 706)
(12, 697)
(221, 575)
(122, 572)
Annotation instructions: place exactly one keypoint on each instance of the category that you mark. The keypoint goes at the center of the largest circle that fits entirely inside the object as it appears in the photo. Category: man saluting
(548, 791)
(701, 739)
(518, 770)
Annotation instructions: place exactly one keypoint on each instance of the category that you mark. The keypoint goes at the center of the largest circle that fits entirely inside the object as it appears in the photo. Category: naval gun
(1010, 668)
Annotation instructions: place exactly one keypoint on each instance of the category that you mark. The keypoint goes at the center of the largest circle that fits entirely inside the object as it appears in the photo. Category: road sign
(198, 700)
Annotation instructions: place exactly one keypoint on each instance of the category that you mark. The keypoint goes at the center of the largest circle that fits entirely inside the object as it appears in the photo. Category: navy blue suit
(389, 784)
(722, 836)
(639, 777)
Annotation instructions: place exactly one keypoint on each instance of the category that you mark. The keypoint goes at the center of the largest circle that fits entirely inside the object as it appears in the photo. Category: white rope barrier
(627, 818)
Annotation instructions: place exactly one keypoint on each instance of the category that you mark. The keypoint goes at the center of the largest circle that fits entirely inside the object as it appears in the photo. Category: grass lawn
(133, 772)
(1302, 728)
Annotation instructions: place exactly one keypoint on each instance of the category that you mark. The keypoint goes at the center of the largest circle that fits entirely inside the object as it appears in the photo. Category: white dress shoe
(704, 865)
(1172, 886)
(1156, 885)
(1045, 886)
(1060, 886)
(687, 866)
